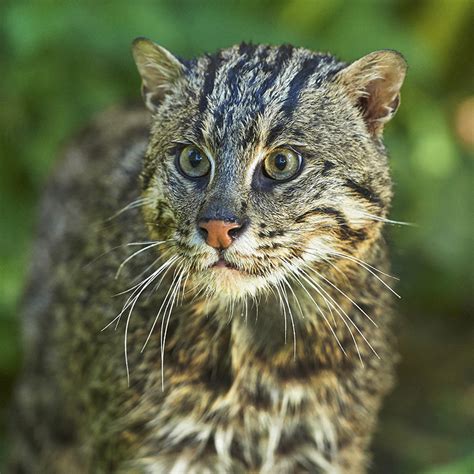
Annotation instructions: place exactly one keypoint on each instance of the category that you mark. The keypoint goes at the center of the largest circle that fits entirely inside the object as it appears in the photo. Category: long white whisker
(134, 287)
(345, 296)
(384, 219)
(130, 244)
(358, 260)
(287, 283)
(168, 317)
(149, 280)
(137, 288)
(137, 203)
(364, 265)
(138, 252)
(126, 328)
(314, 285)
(347, 316)
(293, 327)
(164, 302)
(291, 270)
(174, 287)
(355, 259)
(184, 285)
(321, 312)
(283, 308)
(152, 264)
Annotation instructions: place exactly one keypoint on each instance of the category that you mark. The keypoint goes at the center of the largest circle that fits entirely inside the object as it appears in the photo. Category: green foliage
(63, 61)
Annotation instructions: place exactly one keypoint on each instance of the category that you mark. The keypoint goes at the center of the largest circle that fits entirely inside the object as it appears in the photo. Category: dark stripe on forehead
(246, 53)
(285, 51)
(246, 49)
(213, 66)
(297, 84)
(273, 69)
(308, 68)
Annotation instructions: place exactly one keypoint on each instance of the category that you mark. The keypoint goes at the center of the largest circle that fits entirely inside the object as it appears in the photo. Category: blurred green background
(62, 62)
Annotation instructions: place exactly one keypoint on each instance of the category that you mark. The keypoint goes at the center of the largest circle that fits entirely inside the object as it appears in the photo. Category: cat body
(244, 218)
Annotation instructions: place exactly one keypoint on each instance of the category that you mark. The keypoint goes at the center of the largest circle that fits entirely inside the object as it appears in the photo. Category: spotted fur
(275, 364)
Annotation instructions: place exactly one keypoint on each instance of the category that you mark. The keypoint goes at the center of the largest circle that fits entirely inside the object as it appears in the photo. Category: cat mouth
(223, 263)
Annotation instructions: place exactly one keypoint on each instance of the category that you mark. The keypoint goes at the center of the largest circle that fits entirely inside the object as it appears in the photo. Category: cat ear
(158, 68)
(373, 82)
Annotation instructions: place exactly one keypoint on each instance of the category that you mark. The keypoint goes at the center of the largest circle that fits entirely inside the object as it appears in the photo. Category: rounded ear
(373, 83)
(158, 68)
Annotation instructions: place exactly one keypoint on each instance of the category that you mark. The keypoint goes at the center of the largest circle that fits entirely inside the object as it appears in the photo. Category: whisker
(163, 305)
(133, 205)
(364, 265)
(139, 288)
(333, 265)
(136, 289)
(155, 288)
(383, 219)
(355, 259)
(345, 314)
(150, 279)
(232, 309)
(290, 269)
(173, 291)
(293, 327)
(358, 260)
(184, 285)
(115, 248)
(152, 264)
(138, 252)
(312, 284)
(135, 286)
(126, 331)
(345, 296)
(321, 312)
(283, 308)
(285, 281)
(164, 334)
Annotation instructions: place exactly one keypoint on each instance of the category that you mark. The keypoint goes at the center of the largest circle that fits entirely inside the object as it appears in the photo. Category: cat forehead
(256, 70)
(237, 86)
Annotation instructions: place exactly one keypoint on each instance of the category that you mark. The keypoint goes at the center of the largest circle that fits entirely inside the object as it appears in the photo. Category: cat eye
(282, 164)
(193, 162)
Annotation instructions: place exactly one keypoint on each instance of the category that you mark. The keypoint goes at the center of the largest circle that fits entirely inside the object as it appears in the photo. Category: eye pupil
(195, 159)
(280, 161)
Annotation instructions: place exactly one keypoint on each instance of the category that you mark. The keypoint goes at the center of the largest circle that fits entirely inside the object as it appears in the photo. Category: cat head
(265, 160)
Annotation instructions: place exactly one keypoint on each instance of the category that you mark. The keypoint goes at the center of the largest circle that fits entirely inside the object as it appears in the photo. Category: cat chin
(227, 284)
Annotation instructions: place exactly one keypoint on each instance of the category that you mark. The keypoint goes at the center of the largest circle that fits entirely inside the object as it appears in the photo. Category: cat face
(265, 161)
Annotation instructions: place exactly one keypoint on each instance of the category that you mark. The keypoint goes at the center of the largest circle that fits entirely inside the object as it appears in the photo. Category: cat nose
(220, 234)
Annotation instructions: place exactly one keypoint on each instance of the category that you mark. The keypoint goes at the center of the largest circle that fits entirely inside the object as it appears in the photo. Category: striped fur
(276, 366)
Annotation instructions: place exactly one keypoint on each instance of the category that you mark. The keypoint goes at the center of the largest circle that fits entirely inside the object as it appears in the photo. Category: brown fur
(278, 365)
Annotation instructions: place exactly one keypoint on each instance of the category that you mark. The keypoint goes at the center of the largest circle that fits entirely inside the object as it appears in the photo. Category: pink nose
(219, 233)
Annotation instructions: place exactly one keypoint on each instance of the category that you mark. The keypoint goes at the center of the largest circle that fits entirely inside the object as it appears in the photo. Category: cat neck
(287, 334)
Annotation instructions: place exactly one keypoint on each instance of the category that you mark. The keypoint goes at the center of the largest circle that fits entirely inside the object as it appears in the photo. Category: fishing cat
(209, 290)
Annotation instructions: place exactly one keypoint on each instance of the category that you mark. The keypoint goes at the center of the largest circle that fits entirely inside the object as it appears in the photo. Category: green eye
(193, 163)
(282, 164)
